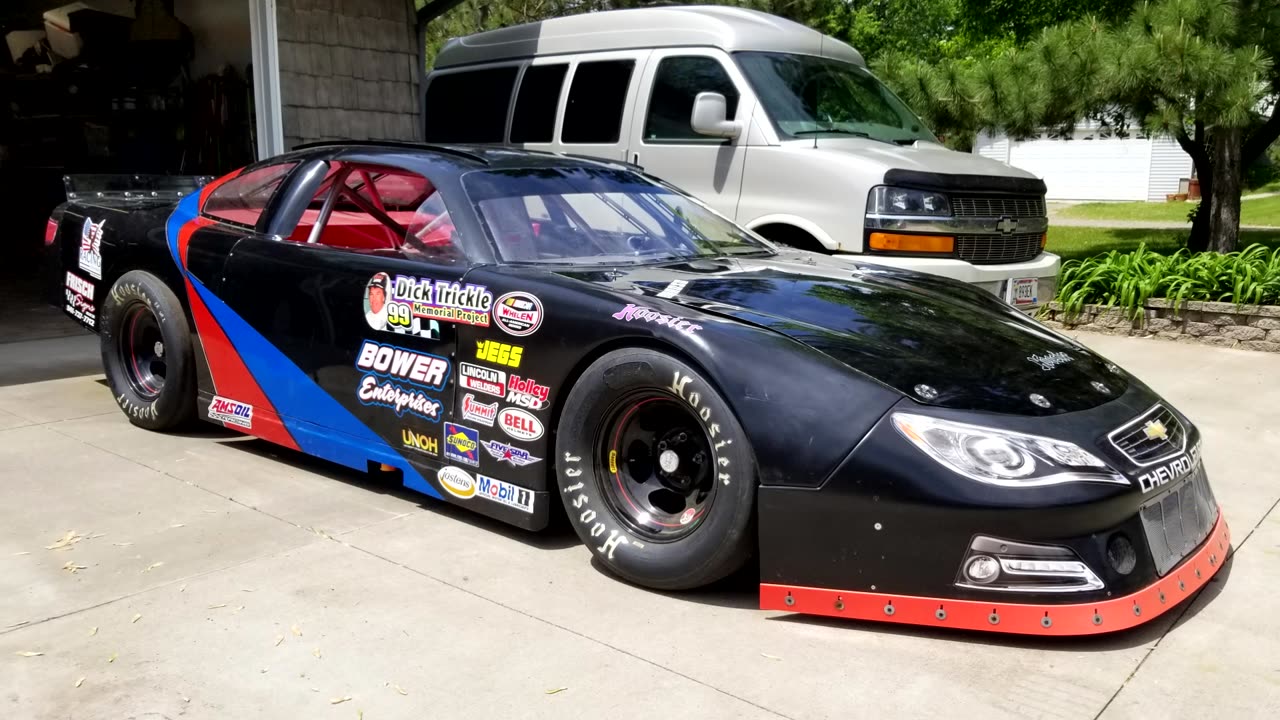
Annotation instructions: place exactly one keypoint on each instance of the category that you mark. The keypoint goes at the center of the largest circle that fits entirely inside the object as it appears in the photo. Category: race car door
(355, 329)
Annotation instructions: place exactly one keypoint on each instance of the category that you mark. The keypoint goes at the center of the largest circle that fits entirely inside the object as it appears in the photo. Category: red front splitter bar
(1080, 619)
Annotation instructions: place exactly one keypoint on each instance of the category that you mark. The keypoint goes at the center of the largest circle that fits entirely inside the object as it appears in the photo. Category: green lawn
(1263, 211)
(1082, 242)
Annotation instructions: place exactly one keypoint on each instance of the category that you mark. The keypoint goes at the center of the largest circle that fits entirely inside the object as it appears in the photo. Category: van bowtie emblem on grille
(1155, 430)
(1007, 225)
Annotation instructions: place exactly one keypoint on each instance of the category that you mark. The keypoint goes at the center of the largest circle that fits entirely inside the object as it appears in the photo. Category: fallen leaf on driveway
(246, 589)
(28, 653)
(178, 525)
(279, 639)
(555, 691)
(66, 541)
(73, 568)
(123, 544)
(265, 669)
(400, 690)
(182, 589)
(219, 605)
(113, 657)
(97, 535)
(24, 552)
(186, 699)
(316, 652)
(296, 630)
(93, 631)
(153, 566)
(337, 700)
(79, 682)
(136, 617)
(771, 657)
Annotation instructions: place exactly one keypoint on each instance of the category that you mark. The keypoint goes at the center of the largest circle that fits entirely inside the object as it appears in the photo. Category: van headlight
(885, 200)
(1002, 457)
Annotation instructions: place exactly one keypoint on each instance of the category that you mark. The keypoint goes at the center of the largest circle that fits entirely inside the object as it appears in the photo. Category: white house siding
(1169, 164)
(996, 148)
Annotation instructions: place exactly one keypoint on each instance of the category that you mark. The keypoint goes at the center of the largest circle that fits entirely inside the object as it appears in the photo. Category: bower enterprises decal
(527, 393)
(461, 444)
(457, 482)
(483, 413)
(423, 443)
(504, 493)
(80, 300)
(636, 312)
(503, 452)
(389, 394)
(231, 412)
(482, 379)
(519, 424)
(399, 363)
(415, 300)
(499, 353)
(518, 313)
(91, 247)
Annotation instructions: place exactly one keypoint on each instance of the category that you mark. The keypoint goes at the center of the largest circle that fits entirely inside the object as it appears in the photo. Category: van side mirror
(708, 118)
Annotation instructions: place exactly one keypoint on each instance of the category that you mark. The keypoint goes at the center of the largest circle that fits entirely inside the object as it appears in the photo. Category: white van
(775, 125)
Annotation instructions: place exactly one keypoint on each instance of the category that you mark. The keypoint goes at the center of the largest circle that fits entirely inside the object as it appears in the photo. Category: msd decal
(644, 314)
(518, 313)
(91, 247)
(527, 393)
(398, 363)
(482, 379)
(519, 424)
(231, 412)
(503, 452)
(504, 493)
(483, 413)
(461, 444)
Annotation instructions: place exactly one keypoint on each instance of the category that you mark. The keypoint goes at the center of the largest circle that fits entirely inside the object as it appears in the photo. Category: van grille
(997, 206)
(1178, 522)
(998, 249)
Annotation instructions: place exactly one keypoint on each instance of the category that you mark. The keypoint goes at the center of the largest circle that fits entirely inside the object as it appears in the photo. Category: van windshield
(806, 95)
(585, 215)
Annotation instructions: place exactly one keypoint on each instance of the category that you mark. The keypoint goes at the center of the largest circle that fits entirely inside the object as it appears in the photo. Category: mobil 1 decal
(416, 306)
(518, 313)
(399, 379)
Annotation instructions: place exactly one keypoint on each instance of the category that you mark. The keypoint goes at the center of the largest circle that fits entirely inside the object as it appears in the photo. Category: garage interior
(109, 86)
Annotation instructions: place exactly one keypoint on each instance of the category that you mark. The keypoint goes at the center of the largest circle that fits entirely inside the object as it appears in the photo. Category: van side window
(534, 120)
(596, 101)
(676, 83)
(469, 106)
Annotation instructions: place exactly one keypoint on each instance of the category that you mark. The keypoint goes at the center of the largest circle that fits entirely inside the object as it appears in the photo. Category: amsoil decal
(398, 363)
(231, 412)
(414, 440)
(504, 493)
(518, 313)
(527, 393)
(482, 379)
(381, 313)
(502, 452)
(499, 353)
(1175, 470)
(519, 424)
(461, 444)
(80, 300)
(457, 482)
(644, 314)
(91, 247)
(483, 413)
(414, 300)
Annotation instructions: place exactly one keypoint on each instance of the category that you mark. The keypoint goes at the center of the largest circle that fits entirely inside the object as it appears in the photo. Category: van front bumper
(992, 278)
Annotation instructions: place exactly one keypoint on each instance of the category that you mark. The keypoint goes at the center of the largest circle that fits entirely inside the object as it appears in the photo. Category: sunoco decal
(499, 353)
(91, 247)
(80, 300)
(503, 452)
(527, 393)
(425, 444)
(519, 424)
(457, 482)
(518, 313)
(231, 412)
(474, 410)
(380, 311)
(482, 379)
(413, 301)
(504, 493)
(636, 312)
(461, 444)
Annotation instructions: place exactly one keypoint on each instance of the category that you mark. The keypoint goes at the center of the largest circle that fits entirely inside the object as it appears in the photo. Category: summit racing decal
(527, 393)
(503, 452)
(482, 379)
(401, 364)
(91, 247)
(231, 412)
(504, 493)
(80, 300)
(499, 353)
(518, 313)
(413, 300)
(644, 314)
(483, 413)
(397, 317)
(461, 444)
(1049, 361)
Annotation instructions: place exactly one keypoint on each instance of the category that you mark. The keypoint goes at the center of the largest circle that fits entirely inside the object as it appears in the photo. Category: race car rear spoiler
(132, 187)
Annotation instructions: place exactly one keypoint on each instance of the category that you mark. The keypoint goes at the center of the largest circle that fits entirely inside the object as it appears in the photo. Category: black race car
(511, 331)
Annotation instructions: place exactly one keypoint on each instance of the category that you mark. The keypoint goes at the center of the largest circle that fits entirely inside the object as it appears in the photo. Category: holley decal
(527, 393)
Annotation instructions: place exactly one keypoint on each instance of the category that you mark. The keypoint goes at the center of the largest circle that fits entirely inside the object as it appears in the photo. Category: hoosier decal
(482, 379)
(231, 412)
(461, 444)
(91, 247)
(644, 314)
(483, 413)
(518, 313)
(503, 452)
(413, 300)
(527, 393)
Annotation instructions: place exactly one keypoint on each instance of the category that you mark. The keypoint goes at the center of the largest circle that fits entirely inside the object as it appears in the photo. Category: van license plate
(1023, 291)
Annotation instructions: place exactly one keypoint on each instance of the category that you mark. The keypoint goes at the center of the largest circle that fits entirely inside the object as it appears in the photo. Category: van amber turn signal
(896, 242)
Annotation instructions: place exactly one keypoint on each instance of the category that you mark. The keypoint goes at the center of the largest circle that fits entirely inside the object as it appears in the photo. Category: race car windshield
(598, 216)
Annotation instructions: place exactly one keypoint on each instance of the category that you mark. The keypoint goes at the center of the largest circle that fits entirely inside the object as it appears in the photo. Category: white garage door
(1080, 169)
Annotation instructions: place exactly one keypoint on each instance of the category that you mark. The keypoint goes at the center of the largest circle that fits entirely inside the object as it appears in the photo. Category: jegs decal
(400, 364)
(231, 412)
(482, 379)
(644, 314)
(476, 411)
(380, 311)
(527, 393)
(461, 444)
(413, 301)
(518, 313)
(519, 424)
(499, 353)
(80, 300)
(91, 247)
(503, 452)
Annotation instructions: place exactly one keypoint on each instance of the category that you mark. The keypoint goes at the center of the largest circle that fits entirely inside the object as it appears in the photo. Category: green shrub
(1128, 279)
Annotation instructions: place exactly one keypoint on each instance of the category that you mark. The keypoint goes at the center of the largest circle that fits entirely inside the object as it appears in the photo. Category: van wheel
(791, 236)
(655, 472)
(146, 351)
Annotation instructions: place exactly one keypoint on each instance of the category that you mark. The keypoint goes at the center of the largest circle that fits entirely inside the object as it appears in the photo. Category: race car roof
(458, 158)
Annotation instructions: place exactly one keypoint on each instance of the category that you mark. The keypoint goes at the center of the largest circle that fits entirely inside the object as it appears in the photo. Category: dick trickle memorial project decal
(416, 306)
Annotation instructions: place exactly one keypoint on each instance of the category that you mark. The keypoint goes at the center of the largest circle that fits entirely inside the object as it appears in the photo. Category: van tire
(791, 236)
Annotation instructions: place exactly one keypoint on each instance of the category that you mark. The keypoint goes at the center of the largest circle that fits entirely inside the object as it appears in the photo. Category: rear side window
(676, 83)
(596, 100)
(469, 106)
(242, 199)
(534, 120)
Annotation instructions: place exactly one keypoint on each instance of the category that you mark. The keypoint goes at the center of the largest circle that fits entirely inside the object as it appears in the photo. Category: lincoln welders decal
(414, 302)
(91, 247)
(381, 313)
(385, 365)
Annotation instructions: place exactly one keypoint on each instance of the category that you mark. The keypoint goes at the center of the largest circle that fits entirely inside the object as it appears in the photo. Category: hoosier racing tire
(655, 472)
(147, 352)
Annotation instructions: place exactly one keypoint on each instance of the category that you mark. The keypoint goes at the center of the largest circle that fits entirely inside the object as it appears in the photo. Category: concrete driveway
(217, 576)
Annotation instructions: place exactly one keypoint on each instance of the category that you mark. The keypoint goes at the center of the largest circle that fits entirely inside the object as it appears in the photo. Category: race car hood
(938, 341)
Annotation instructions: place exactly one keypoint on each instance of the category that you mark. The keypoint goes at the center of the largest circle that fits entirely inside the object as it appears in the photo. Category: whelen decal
(226, 410)
(518, 313)
(91, 247)
(482, 379)
(502, 452)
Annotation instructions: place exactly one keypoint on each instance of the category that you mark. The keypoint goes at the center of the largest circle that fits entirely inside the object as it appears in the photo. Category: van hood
(938, 341)
(922, 157)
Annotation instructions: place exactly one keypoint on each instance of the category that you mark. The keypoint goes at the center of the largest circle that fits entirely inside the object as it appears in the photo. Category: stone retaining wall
(1251, 327)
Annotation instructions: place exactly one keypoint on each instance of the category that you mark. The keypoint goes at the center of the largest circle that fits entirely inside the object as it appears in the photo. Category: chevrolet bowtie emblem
(1155, 430)
(1007, 225)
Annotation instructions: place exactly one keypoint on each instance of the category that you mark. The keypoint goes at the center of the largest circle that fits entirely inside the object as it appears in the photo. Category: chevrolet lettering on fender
(877, 444)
